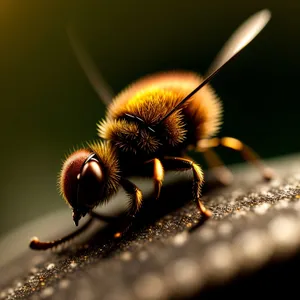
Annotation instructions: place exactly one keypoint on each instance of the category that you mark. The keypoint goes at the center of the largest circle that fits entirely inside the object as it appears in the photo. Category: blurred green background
(48, 105)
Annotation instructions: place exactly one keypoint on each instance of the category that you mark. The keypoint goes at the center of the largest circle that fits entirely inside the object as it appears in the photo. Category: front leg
(36, 244)
(183, 164)
(135, 195)
(136, 199)
(158, 175)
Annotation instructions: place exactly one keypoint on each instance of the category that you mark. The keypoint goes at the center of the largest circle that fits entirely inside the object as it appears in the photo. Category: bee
(148, 129)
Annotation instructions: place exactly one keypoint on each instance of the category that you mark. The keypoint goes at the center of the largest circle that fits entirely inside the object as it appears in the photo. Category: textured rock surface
(252, 242)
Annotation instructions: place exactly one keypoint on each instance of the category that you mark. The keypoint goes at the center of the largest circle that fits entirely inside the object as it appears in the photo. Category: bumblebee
(148, 129)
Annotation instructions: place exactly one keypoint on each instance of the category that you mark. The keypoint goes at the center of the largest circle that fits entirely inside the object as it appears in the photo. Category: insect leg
(183, 164)
(247, 153)
(36, 244)
(135, 195)
(158, 175)
(136, 199)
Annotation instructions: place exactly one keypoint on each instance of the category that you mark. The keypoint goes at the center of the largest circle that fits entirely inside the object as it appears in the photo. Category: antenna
(102, 89)
(239, 39)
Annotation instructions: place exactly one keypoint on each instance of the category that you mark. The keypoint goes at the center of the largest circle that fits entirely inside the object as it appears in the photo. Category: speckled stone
(252, 242)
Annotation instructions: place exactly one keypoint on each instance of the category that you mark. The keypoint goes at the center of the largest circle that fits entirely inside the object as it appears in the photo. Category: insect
(147, 130)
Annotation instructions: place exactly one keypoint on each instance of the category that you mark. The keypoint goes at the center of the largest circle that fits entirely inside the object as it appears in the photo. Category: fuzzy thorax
(150, 99)
(150, 106)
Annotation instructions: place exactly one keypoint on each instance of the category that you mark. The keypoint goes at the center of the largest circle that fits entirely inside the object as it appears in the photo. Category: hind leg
(247, 153)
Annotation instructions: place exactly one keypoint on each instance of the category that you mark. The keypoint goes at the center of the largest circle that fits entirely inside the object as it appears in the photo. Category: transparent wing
(103, 90)
(240, 38)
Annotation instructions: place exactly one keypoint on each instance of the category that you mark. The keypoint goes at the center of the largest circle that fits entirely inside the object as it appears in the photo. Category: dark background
(48, 106)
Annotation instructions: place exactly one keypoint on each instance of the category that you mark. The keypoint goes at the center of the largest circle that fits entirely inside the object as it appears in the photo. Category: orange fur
(152, 97)
(150, 105)
(128, 137)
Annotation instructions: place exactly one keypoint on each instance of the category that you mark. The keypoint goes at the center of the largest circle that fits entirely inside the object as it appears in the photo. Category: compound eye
(91, 184)
(68, 181)
(91, 169)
